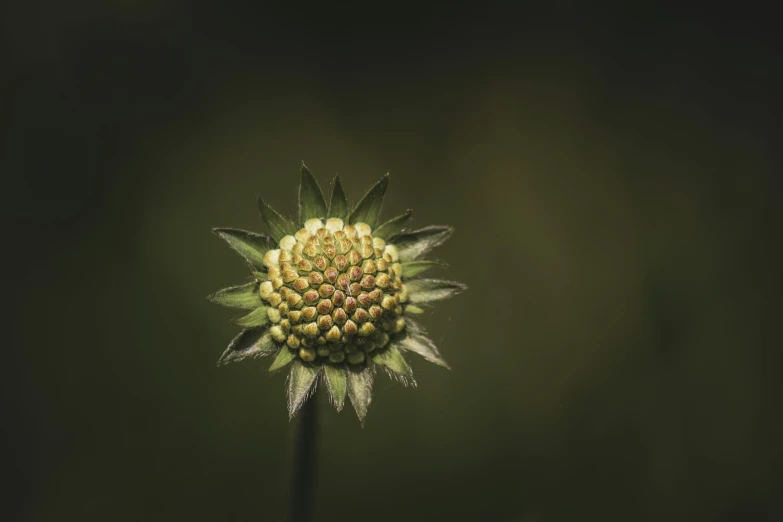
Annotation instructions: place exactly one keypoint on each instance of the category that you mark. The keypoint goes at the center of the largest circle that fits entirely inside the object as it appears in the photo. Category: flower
(334, 296)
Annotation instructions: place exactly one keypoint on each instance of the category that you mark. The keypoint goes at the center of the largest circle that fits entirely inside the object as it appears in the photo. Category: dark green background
(612, 179)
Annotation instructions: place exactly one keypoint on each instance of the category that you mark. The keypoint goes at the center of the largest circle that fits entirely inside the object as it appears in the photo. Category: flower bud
(311, 330)
(356, 357)
(333, 335)
(325, 290)
(325, 322)
(350, 328)
(300, 284)
(324, 307)
(309, 313)
(310, 297)
(334, 224)
(312, 225)
(340, 262)
(277, 333)
(265, 289)
(271, 258)
(307, 354)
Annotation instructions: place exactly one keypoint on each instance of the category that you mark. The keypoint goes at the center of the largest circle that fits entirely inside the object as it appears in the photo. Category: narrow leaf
(311, 199)
(338, 206)
(423, 346)
(249, 343)
(257, 317)
(428, 290)
(393, 226)
(392, 359)
(414, 268)
(245, 297)
(412, 245)
(261, 276)
(277, 225)
(284, 356)
(301, 384)
(336, 383)
(249, 245)
(368, 209)
(359, 383)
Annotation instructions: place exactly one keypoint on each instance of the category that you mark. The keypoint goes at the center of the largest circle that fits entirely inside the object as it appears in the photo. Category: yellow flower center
(334, 291)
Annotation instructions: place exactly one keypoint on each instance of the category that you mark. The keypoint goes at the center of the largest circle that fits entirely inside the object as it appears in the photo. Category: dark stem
(304, 464)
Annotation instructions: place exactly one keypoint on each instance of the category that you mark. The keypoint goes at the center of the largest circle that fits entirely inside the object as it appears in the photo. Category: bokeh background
(612, 178)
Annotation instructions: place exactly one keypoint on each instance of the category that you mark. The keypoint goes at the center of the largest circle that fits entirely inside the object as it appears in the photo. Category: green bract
(333, 294)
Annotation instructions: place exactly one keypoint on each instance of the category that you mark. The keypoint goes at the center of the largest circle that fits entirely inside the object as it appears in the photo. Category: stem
(304, 464)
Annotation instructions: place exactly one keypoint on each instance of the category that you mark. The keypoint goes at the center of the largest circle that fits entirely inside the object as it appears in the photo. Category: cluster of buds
(333, 291)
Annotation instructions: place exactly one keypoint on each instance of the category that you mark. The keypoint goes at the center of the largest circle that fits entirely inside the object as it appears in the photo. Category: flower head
(334, 295)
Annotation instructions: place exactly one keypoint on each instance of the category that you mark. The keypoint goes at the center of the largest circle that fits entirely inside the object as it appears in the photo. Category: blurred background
(612, 176)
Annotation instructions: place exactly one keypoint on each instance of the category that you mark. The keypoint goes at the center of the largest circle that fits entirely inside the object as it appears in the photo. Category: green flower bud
(356, 357)
(307, 354)
(332, 291)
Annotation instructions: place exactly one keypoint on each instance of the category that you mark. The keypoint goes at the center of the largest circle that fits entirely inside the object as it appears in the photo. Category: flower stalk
(305, 464)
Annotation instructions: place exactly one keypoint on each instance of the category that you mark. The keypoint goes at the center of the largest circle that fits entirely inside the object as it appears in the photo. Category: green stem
(304, 464)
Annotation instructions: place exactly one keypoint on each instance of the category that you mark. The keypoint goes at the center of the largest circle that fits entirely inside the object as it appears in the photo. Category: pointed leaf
(423, 346)
(284, 356)
(412, 245)
(260, 276)
(311, 199)
(368, 208)
(338, 206)
(359, 383)
(301, 384)
(245, 296)
(392, 359)
(414, 268)
(336, 383)
(257, 317)
(249, 245)
(249, 343)
(428, 290)
(277, 225)
(393, 226)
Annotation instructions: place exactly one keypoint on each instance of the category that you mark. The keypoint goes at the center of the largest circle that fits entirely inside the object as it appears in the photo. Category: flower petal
(368, 208)
(277, 225)
(301, 385)
(336, 384)
(338, 206)
(392, 359)
(311, 199)
(412, 245)
(393, 226)
(249, 245)
(284, 356)
(256, 318)
(360, 390)
(249, 343)
(245, 296)
(420, 344)
(428, 290)
(414, 268)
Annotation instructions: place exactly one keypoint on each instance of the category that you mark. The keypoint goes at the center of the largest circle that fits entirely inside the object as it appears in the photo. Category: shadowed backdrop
(612, 180)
